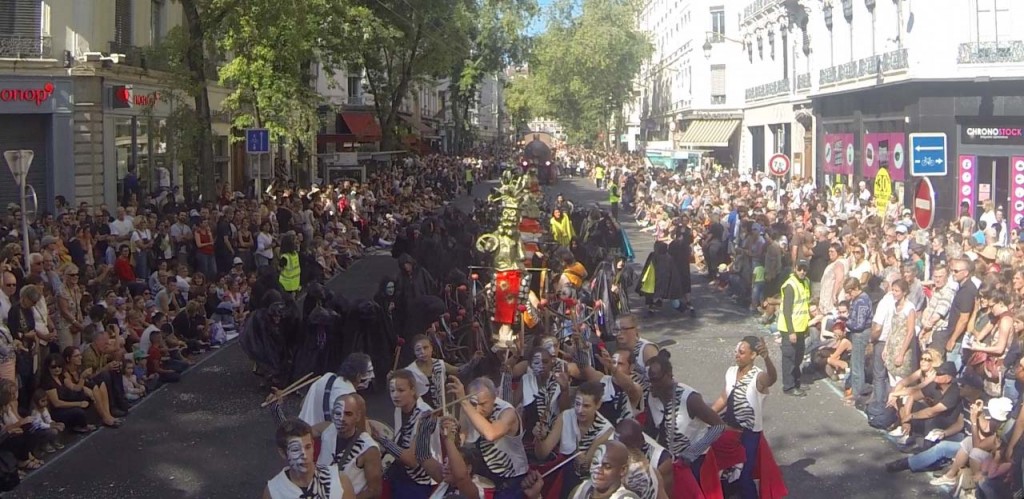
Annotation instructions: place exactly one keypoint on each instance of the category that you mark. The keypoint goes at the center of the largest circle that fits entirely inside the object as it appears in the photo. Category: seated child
(43, 426)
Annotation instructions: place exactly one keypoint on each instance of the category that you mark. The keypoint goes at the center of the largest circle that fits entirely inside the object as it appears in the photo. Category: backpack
(881, 416)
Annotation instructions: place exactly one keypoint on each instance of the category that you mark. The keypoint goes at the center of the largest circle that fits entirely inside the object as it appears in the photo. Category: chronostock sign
(998, 132)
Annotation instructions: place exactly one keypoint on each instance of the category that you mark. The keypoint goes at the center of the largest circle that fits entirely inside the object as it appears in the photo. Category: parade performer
(303, 478)
(430, 373)
(561, 228)
(650, 465)
(683, 423)
(416, 439)
(493, 427)
(578, 430)
(741, 405)
(623, 396)
(355, 373)
(345, 443)
(544, 387)
(628, 337)
(608, 470)
(456, 472)
(265, 338)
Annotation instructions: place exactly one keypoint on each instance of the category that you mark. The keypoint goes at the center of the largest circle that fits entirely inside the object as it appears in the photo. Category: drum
(384, 430)
(506, 296)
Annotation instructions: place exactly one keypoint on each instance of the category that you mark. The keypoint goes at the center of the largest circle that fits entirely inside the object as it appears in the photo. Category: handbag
(647, 281)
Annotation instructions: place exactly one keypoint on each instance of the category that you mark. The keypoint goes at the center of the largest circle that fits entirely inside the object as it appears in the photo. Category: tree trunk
(195, 61)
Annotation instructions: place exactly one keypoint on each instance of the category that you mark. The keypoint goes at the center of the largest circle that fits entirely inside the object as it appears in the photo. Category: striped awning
(709, 133)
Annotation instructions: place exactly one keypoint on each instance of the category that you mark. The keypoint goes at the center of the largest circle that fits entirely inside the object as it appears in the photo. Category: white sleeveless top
(643, 479)
(576, 439)
(653, 450)
(586, 489)
(347, 462)
(405, 434)
(444, 488)
(505, 458)
(325, 485)
(680, 429)
(746, 405)
(434, 384)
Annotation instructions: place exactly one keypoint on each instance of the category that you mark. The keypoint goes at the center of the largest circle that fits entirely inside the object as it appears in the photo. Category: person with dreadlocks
(355, 373)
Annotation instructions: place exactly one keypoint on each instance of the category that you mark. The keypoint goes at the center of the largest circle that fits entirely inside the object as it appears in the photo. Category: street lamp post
(718, 36)
(19, 161)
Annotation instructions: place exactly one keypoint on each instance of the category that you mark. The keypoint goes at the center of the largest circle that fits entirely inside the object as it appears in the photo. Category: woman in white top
(741, 404)
(264, 253)
(142, 243)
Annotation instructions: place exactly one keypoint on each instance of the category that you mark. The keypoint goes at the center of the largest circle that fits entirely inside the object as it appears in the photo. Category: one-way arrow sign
(928, 154)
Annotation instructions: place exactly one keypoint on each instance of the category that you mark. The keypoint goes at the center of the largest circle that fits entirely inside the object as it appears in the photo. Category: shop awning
(363, 125)
(416, 125)
(709, 133)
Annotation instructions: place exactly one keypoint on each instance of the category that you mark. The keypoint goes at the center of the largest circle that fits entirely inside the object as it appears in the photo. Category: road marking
(842, 398)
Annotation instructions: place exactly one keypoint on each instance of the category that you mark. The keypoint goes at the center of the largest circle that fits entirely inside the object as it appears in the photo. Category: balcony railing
(991, 52)
(768, 90)
(356, 100)
(717, 99)
(868, 66)
(26, 47)
(803, 81)
(757, 7)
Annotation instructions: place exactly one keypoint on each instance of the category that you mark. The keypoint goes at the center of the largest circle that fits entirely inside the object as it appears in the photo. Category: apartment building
(86, 115)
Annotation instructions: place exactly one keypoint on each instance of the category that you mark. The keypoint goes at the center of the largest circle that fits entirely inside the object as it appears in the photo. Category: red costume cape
(772, 485)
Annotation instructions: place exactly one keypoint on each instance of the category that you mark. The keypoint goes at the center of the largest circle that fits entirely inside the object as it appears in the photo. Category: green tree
(583, 66)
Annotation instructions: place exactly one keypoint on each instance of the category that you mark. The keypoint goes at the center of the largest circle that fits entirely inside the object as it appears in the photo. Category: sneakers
(898, 465)
(896, 432)
(943, 481)
(795, 392)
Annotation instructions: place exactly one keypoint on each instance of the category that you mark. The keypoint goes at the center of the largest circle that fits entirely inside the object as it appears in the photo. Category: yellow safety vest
(469, 175)
(801, 305)
(599, 172)
(291, 273)
(613, 193)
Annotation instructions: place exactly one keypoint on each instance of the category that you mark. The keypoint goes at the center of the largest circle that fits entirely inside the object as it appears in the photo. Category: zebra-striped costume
(504, 458)
(544, 400)
(642, 479)
(430, 387)
(674, 427)
(408, 427)
(345, 454)
(640, 366)
(615, 405)
(575, 439)
(586, 490)
(743, 408)
(326, 484)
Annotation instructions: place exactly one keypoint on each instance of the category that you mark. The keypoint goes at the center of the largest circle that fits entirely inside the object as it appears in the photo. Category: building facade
(91, 115)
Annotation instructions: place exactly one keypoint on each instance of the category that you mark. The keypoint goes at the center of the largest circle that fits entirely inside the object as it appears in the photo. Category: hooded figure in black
(413, 282)
(387, 305)
(681, 248)
(318, 338)
(264, 338)
(659, 264)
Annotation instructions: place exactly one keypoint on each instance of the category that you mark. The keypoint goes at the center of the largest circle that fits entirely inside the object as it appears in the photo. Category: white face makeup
(389, 289)
(366, 378)
(422, 351)
(338, 413)
(537, 364)
(296, 455)
(549, 345)
(577, 406)
(597, 463)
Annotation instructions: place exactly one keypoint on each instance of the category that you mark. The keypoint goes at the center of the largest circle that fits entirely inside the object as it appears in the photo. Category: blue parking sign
(257, 141)
(928, 154)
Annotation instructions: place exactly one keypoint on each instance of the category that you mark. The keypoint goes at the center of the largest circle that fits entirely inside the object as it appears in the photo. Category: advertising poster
(966, 177)
(884, 150)
(1016, 190)
(839, 153)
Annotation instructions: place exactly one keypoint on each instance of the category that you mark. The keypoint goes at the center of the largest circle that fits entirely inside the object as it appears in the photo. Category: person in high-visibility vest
(469, 181)
(613, 198)
(792, 324)
(599, 176)
(290, 277)
(561, 228)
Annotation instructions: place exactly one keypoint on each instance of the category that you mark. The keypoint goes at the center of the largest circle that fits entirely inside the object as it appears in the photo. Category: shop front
(777, 129)
(36, 114)
(715, 135)
(990, 166)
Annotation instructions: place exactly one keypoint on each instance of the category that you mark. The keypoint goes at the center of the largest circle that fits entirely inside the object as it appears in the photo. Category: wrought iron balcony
(758, 7)
(717, 99)
(991, 52)
(26, 47)
(768, 90)
(803, 81)
(868, 66)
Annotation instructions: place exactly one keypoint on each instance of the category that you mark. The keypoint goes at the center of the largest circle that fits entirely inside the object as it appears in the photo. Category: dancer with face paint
(623, 394)
(430, 373)
(345, 444)
(741, 405)
(628, 336)
(494, 428)
(416, 440)
(608, 468)
(580, 429)
(544, 387)
(302, 478)
(355, 373)
(682, 422)
(650, 466)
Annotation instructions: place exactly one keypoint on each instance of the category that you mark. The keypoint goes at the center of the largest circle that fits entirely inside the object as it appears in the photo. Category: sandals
(84, 430)
(114, 425)
(31, 465)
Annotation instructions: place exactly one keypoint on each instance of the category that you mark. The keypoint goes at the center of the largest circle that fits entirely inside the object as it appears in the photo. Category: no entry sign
(924, 203)
(779, 165)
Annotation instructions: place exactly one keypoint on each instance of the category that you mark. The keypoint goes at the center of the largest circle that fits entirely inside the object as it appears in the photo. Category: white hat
(999, 408)
(901, 229)
(237, 261)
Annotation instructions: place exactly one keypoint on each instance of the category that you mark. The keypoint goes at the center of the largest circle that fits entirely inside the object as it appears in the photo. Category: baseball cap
(999, 408)
(946, 369)
(237, 261)
(901, 229)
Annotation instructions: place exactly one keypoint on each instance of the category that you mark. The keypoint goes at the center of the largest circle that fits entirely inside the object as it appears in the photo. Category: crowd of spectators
(923, 328)
(117, 301)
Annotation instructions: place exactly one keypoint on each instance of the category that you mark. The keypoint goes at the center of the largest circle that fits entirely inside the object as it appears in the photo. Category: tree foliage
(583, 66)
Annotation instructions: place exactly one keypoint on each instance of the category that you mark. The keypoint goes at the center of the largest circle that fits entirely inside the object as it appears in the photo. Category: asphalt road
(207, 438)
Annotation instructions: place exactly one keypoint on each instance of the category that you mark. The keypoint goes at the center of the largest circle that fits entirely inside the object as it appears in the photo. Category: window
(354, 86)
(992, 20)
(20, 18)
(718, 84)
(123, 35)
(156, 21)
(718, 24)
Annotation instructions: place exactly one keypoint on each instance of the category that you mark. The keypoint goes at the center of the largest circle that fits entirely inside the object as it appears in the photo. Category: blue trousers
(751, 441)
(857, 380)
(945, 449)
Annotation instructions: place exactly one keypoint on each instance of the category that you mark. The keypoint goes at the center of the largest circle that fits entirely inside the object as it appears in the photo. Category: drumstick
(289, 391)
(296, 382)
(454, 403)
(398, 352)
(563, 463)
